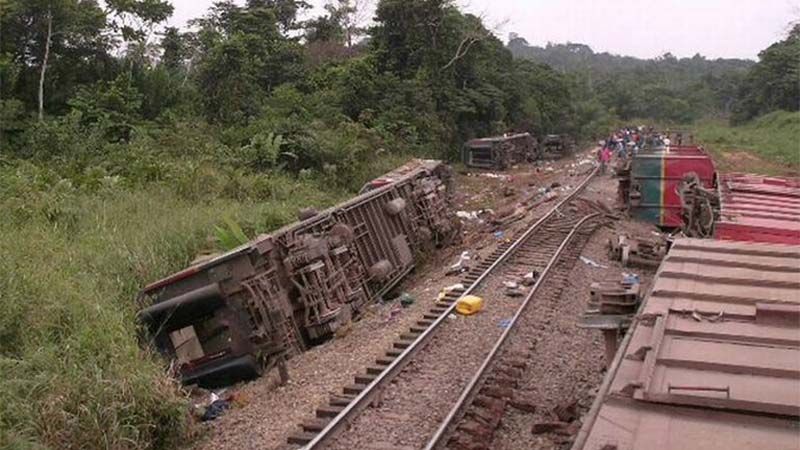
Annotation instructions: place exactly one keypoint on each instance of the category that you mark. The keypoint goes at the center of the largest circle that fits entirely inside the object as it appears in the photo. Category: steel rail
(474, 382)
(371, 390)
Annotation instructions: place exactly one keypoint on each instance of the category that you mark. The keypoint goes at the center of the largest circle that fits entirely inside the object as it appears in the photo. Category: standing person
(605, 157)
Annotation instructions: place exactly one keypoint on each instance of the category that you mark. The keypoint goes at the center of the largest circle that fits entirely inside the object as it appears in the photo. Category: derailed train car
(500, 152)
(245, 311)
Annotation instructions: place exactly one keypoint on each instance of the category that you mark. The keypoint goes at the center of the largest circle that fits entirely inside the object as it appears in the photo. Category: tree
(772, 83)
(244, 55)
(37, 33)
(175, 48)
(285, 11)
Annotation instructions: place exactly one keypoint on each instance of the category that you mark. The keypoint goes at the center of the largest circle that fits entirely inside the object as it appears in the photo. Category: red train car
(655, 177)
(758, 208)
(713, 358)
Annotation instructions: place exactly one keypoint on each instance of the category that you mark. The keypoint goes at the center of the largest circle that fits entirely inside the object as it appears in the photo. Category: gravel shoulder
(265, 413)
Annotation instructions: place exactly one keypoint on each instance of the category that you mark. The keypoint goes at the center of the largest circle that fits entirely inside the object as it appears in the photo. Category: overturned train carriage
(499, 152)
(243, 312)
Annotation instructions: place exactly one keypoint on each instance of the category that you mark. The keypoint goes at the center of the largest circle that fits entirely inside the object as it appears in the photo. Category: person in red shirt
(604, 156)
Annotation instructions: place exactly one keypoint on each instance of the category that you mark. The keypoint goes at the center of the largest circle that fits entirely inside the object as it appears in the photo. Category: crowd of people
(628, 141)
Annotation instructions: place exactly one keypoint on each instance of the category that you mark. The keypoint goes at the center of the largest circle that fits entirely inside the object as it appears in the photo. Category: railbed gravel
(567, 361)
(265, 413)
(418, 399)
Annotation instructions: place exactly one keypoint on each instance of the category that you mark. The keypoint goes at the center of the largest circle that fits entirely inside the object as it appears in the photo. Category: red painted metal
(713, 360)
(655, 178)
(759, 209)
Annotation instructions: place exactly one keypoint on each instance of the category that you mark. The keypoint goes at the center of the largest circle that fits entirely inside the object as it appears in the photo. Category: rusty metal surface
(760, 209)
(713, 361)
(500, 152)
(249, 309)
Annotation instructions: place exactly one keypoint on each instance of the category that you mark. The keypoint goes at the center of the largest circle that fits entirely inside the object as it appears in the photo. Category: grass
(769, 144)
(73, 372)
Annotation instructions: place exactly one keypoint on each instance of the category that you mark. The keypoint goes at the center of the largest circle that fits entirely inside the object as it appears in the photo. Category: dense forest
(126, 146)
(665, 88)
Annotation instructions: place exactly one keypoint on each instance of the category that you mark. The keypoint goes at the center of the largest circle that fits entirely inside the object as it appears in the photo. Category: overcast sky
(643, 28)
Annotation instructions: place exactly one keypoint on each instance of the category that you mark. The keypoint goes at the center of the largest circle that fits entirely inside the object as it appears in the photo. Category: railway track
(441, 362)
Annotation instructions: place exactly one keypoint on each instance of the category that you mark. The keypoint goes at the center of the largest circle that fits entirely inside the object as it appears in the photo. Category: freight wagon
(713, 358)
(243, 312)
(500, 152)
(650, 184)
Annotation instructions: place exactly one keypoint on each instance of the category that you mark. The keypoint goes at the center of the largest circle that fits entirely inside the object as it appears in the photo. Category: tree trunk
(44, 63)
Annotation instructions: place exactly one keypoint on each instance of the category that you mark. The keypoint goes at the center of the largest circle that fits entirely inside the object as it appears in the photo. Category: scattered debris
(638, 251)
(589, 262)
(530, 278)
(447, 289)
(468, 215)
(460, 266)
(393, 312)
(406, 300)
(611, 308)
(512, 289)
(469, 305)
(503, 177)
(215, 409)
(567, 412)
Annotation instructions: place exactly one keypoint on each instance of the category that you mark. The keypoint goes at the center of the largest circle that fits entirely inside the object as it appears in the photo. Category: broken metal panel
(716, 345)
(248, 309)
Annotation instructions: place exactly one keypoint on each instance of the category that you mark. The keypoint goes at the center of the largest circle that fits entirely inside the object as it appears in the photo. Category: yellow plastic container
(469, 305)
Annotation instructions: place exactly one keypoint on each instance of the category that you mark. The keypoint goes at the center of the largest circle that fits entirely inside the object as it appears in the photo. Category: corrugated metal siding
(759, 209)
(713, 361)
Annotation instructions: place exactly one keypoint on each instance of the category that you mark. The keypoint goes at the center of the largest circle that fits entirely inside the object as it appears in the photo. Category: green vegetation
(123, 157)
(773, 139)
(773, 83)
(664, 89)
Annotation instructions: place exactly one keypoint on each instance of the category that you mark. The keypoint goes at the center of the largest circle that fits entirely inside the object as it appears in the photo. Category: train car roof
(760, 209)
(713, 359)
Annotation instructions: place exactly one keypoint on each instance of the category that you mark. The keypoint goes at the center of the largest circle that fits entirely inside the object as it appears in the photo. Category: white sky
(643, 28)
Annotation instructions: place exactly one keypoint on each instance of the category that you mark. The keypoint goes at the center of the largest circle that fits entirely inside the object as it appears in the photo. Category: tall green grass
(774, 138)
(71, 262)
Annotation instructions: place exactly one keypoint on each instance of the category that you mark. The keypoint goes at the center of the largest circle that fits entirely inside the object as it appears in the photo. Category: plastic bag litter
(460, 265)
(589, 262)
(215, 409)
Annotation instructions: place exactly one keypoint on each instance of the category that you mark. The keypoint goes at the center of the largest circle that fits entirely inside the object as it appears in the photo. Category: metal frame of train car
(245, 311)
(500, 152)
